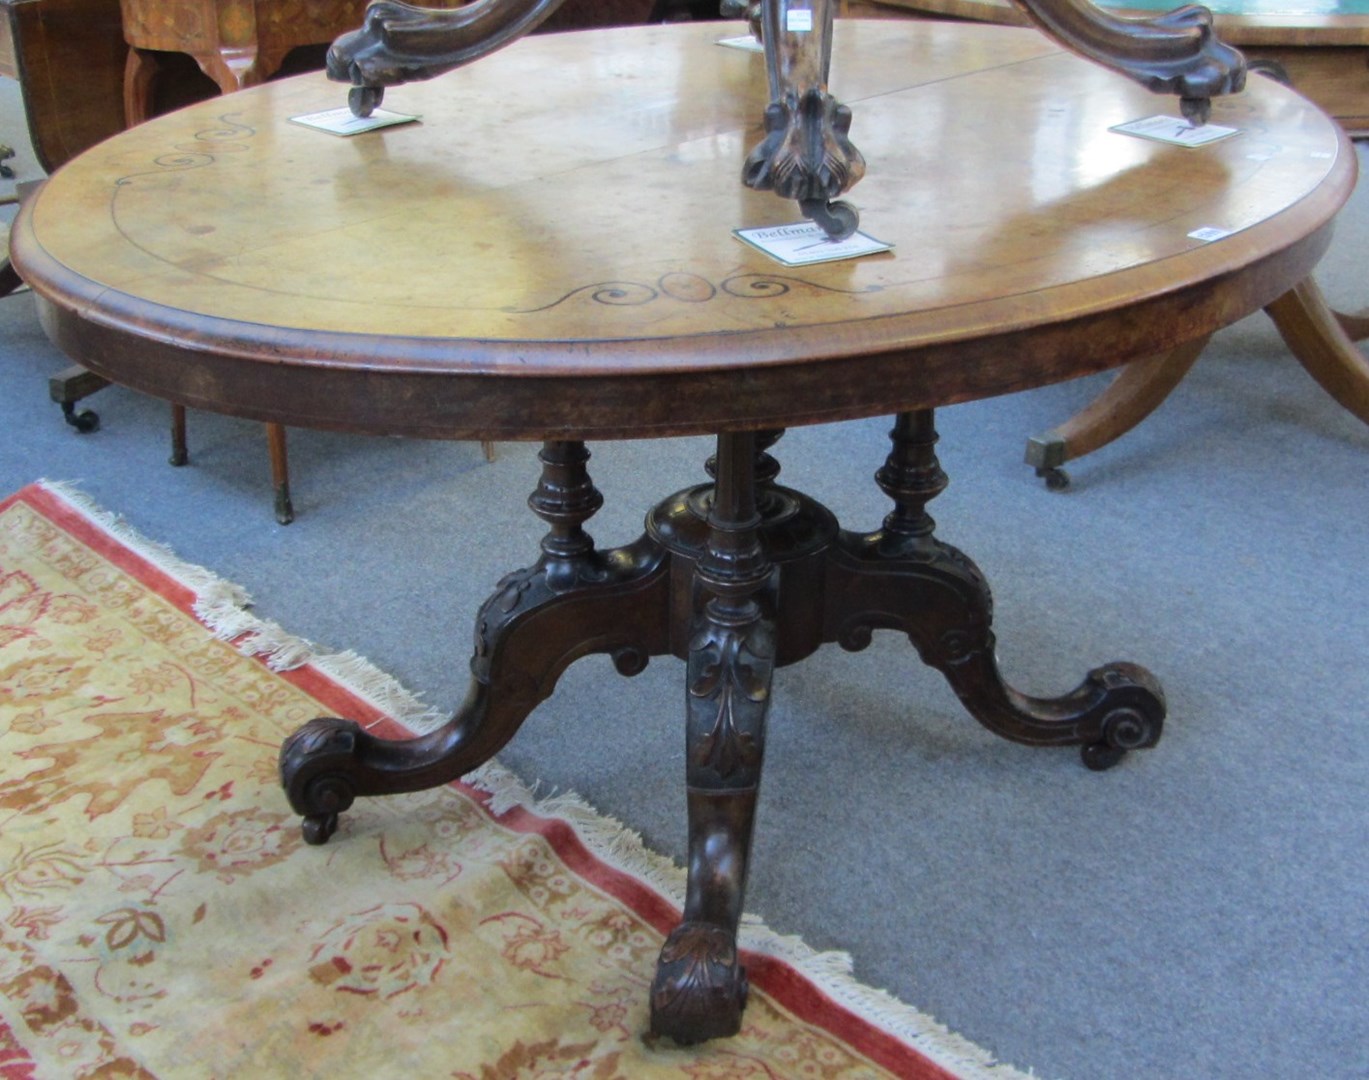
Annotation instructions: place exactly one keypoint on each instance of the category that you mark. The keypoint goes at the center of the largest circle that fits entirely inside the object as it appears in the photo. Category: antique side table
(549, 255)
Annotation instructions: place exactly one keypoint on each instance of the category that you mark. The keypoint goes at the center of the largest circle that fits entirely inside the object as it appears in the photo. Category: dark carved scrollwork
(314, 763)
(729, 677)
(574, 601)
(738, 577)
(903, 578)
(806, 154)
(399, 42)
(1177, 52)
(700, 989)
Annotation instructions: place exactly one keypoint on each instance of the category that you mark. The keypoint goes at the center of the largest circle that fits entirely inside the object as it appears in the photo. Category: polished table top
(549, 253)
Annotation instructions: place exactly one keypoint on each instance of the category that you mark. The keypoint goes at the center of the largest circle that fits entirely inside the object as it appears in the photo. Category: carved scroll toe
(1131, 714)
(314, 766)
(700, 989)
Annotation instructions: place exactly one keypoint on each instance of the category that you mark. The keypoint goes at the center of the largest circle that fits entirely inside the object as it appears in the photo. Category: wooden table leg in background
(1324, 344)
(1321, 339)
(1134, 393)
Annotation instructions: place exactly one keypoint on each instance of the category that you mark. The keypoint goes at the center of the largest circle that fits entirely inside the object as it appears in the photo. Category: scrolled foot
(1133, 714)
(400, 42)
(806, 154)
(314, 763)
(700, 989)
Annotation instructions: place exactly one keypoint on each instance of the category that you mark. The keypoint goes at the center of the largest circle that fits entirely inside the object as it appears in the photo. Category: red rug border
(795, 991)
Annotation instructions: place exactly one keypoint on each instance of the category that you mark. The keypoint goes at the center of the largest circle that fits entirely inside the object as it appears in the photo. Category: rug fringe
(223, 608)
(832, 972)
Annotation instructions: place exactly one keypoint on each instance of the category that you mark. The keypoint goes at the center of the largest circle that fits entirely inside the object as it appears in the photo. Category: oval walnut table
(549, 255)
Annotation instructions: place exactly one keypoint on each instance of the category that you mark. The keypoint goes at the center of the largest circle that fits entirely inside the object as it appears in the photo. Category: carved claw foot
(700, 989)
(807, 156)
(314, 763)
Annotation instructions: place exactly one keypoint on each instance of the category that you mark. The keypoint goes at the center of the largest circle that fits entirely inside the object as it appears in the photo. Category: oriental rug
(160, 915)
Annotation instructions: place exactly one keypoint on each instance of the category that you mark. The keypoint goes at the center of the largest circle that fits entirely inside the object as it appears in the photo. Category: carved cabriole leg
(700, 988)
(574, 601)
(806, 154)
(901, 577)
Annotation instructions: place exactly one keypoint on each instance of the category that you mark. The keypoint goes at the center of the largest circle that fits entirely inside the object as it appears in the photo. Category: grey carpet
(1199, 911)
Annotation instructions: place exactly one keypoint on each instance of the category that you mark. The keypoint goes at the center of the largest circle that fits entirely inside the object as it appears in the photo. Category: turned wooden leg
(700, 988)
(280, 472)
(1135, 392)
(180, 454)
(901, 577)
(574, 601)
(1324, 344)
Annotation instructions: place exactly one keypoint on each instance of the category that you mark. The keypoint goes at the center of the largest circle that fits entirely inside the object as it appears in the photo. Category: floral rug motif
(160, 915)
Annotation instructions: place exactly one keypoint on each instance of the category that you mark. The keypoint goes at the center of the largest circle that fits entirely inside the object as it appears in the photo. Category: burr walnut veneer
(549, 256)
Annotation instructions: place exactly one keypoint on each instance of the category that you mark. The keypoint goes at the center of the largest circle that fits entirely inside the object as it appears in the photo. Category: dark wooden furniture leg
(901, 577)
(180, 451)
(700, 987)
(736, 577)
(575, 600)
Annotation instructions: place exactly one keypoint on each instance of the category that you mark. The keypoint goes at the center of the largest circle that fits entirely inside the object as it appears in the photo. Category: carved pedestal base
(736, 577)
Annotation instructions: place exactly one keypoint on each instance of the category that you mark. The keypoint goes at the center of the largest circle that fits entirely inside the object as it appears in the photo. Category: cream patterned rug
(160, 915)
